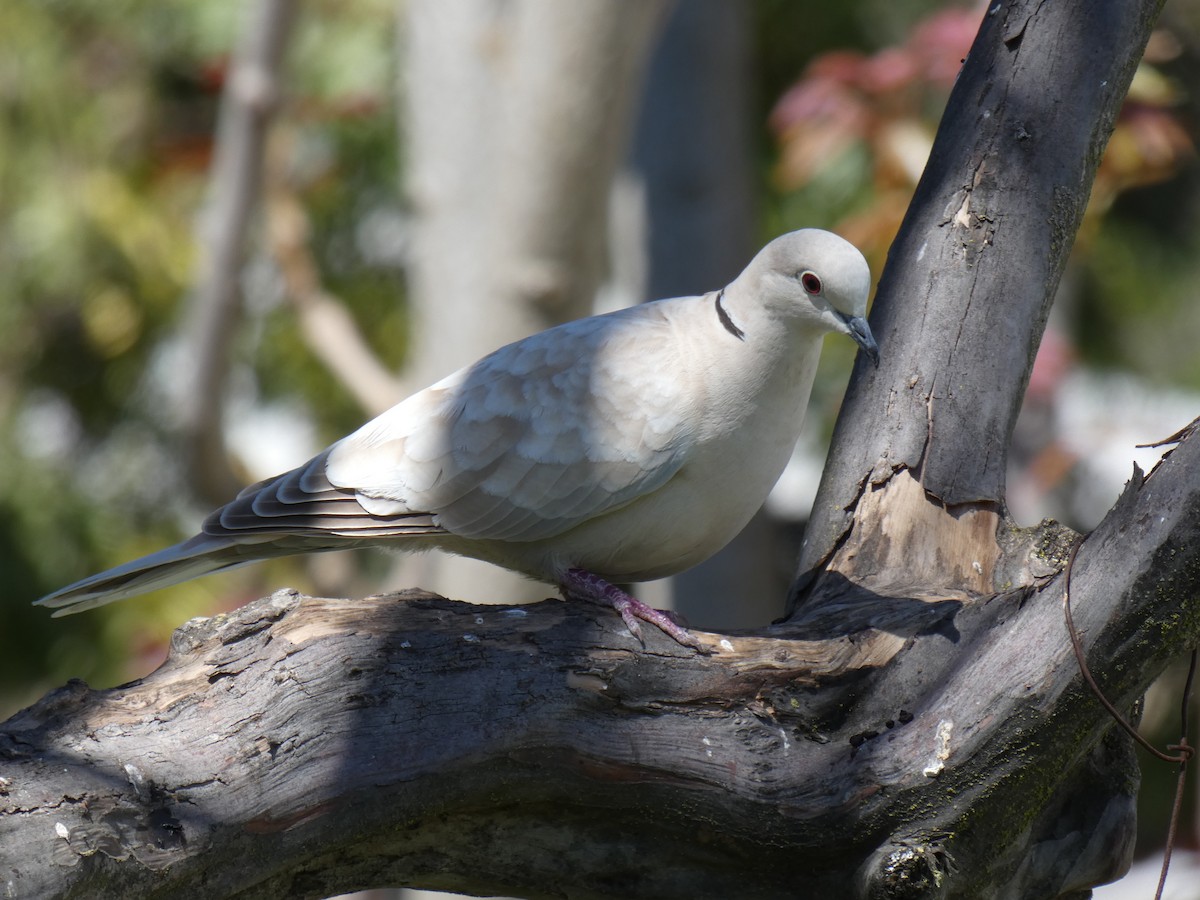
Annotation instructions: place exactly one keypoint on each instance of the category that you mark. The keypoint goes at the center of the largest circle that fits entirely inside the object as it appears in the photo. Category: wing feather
(532, 440)
(528, 443)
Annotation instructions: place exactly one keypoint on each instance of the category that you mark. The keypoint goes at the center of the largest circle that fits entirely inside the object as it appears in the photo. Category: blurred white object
(1183, 879)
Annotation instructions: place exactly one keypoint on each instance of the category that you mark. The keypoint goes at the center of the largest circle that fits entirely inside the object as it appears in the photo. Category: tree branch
(339, 744)
(247, 105)
(969, 281)
(328, 328)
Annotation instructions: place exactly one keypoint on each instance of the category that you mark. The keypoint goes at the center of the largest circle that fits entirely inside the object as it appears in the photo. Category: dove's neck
(743, 312)
(737, 307)
(757, 369)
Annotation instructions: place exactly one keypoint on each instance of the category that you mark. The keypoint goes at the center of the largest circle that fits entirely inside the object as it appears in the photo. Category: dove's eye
(811, 282)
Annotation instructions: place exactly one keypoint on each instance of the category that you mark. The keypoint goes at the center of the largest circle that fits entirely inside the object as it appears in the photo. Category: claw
(583, 584)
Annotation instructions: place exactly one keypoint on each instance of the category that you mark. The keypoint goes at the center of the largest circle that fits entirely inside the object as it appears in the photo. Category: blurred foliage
(854, 131)
(107, 113)
(854, 127)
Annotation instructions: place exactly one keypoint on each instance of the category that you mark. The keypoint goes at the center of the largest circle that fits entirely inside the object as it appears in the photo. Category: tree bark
(300, 747)
(964, 296)
(916, 728)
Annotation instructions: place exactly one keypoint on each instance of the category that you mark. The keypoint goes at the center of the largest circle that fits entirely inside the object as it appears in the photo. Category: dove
(617, 448)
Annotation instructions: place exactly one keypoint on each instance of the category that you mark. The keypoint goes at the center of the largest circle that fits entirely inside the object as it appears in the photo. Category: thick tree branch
(300, 747)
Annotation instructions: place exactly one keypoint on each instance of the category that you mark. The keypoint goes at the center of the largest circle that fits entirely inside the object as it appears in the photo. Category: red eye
(811, 282)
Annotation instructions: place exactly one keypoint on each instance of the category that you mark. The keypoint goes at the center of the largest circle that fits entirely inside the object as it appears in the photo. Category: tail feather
(296, 512)
(200, 555)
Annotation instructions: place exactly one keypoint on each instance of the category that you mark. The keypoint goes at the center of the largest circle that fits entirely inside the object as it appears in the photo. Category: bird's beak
(861, 332)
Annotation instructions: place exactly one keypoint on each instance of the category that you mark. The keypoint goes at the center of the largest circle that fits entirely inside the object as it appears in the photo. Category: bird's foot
(584, 585)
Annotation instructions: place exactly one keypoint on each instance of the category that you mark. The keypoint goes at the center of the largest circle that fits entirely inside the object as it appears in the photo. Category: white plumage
(622, 447)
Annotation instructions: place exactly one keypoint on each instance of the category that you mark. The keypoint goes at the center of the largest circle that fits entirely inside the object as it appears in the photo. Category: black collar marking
(727, 322)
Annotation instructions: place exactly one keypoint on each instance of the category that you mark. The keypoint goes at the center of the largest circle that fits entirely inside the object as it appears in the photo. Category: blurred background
(231, 232)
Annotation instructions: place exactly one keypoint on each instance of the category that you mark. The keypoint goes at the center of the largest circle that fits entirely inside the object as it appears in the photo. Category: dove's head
(819, 280)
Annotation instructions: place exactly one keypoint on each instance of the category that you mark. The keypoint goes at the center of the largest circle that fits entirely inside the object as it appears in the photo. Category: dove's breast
(742, 423)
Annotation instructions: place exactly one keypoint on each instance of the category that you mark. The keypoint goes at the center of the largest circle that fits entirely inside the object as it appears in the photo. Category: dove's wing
(534, 439)
(527, 443)
(303, 503)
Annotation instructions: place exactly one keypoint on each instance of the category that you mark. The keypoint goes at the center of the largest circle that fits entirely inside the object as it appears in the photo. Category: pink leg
(586, 586)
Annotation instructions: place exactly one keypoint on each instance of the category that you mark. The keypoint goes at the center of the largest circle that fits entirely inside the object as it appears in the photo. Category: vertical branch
(250, 99)
(921, 446)
(575, 70)
(516, 118)
(328, 328)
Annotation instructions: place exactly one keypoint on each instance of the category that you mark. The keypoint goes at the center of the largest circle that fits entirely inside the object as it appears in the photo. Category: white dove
(621, 447)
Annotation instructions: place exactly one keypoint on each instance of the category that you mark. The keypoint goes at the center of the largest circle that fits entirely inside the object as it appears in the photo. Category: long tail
(296, 512)
(200, 555)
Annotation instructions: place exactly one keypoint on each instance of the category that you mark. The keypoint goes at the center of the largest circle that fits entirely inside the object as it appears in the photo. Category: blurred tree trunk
(516, 118)
(693, 161)
(215, 306)
(917, 728)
